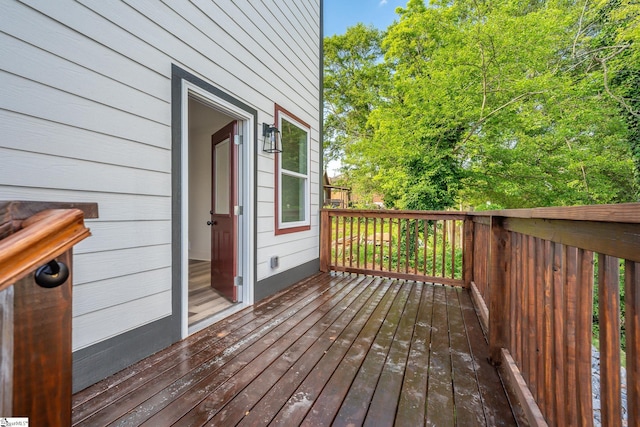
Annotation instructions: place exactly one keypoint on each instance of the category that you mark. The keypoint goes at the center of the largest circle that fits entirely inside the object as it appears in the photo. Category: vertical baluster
(416, 247)
(344, 236)
(584, 338)
(444, 248)
(425, 226)
(609, 305)
(351, 218)
(335, 241)
(373, 260)
(453, 250)
(531, 314)
(468, 253)
(390, 241)
(524, 301)
(381, 243)
(358, 242)
(407, 224)
(558, 331)
(435, 245)
(632, 324)
(366, 242)
(570, 334)
(514, 304)
(400, 221)
(548, 331)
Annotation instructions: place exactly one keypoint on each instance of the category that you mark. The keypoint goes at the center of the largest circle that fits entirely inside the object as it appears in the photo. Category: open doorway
(212, 168)
(199, 111)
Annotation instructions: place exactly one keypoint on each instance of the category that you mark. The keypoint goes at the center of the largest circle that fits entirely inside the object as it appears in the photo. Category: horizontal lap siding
(85, 108)
(293, 39)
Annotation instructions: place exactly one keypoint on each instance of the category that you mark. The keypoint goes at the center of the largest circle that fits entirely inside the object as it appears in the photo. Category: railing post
(6, 350)
(42, 351)
(36, 241)
(467, 253)
(325, 240)
(498, 289)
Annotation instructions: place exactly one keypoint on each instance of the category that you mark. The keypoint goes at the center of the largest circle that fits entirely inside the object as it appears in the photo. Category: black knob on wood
(52, 274)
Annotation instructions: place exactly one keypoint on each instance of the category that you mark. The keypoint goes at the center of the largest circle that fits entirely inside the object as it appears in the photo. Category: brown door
(224, 241)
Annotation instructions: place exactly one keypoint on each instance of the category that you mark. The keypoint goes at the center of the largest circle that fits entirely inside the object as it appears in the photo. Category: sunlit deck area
(337, 348)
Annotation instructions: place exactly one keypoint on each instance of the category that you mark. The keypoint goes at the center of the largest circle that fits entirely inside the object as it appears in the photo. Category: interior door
(224, 223)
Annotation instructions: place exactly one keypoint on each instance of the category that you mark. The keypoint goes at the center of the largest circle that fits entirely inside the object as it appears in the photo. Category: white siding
(85, 108)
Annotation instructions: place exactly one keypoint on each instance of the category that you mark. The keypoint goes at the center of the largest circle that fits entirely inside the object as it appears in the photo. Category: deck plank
(384, 404)
(300, 402)
(336, 349)
(413, 398)
(309, 327)
(175, 399)
(356, 404)
(311, 345)
(102, 391)
(440, 408)
(328, 403)
(285, 387)
(467, 401)
(138, 389)
(495, 403)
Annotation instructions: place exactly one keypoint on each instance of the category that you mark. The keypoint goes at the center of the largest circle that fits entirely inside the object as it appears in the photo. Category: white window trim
(280, 171)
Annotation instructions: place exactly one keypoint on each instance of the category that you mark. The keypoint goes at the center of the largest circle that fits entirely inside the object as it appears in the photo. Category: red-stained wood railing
(415, 245)
(35, 321)
(533, 275)
(536, 271)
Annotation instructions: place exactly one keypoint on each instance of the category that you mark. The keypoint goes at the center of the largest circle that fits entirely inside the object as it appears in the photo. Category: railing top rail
(385, 213)
(26, 243)
(622, 213)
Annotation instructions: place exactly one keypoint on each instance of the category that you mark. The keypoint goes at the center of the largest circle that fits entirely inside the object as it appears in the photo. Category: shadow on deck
(336, 348)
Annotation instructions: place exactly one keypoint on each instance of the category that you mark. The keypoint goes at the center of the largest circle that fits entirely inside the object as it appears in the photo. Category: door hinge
(237, 280)
(237, 139)
(237, 210)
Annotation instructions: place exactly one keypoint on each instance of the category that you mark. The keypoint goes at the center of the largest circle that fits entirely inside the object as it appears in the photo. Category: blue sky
(340, 14)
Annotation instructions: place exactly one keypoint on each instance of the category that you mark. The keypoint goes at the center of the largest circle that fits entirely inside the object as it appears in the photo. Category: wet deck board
(335, 349)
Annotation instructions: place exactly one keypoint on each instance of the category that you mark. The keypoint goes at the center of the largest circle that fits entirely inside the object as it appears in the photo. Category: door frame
(246, 252)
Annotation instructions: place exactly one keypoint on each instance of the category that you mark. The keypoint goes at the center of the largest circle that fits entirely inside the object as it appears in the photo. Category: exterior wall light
(272, 142)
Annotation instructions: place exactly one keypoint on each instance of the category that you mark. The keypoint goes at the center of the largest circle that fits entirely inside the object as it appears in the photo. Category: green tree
(617, 51)
(353, 75)
(495, 101)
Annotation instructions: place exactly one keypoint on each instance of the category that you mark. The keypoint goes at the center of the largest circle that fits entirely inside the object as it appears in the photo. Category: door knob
(212, 223)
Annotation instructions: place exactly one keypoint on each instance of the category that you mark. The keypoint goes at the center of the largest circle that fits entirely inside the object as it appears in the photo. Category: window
(292, 174)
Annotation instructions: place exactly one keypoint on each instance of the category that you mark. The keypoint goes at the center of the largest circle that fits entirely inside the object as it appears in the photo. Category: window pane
(293, 200)
(222, 178)
(294, 147)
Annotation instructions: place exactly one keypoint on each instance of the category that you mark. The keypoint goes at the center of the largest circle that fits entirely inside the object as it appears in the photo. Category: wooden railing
(416, 245)
(534, 275)
(35, 308)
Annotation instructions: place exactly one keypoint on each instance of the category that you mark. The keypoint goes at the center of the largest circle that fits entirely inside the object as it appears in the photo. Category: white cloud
(383, 2)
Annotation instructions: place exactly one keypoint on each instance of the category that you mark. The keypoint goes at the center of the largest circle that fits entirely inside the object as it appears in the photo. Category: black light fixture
(272, 143)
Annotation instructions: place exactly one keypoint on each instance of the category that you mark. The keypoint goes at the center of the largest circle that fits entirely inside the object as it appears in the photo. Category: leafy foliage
(514, 102)
(353, 75)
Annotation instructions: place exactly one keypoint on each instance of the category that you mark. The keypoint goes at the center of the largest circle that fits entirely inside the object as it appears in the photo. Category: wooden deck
(335, 349)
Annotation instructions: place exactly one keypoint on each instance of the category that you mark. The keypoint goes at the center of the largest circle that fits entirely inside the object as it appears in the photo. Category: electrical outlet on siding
(274, 262)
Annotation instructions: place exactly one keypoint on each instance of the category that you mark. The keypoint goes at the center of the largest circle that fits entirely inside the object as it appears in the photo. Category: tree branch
(575, 40)
(605, 77)
(496, 111)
